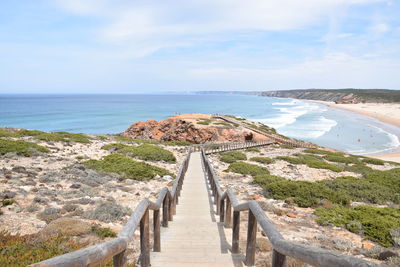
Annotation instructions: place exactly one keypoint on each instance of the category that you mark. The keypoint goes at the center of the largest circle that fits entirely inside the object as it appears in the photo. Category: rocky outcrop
(182, 129)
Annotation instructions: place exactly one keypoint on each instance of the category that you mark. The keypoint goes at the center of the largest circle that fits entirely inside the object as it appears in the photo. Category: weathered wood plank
(156, 231)
(251, 240)
(236, 232)
(145, 240)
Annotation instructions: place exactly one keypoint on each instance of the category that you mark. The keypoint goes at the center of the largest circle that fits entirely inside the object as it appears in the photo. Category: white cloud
(146, 26)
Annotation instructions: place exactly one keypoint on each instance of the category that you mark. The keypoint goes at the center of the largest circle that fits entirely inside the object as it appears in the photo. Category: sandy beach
(385, 112)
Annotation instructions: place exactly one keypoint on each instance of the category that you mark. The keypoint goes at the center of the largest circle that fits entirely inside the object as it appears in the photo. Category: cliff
(343, 96)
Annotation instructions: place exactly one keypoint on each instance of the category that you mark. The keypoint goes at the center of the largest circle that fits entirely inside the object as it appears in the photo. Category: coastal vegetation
(232, 156)
(126, 167)
(247, 168)
(144, 152)
(39, 135)
(19, 250)
(20, 147)
(264, 160)
(151, 141)
(377, 224)
(312, 161)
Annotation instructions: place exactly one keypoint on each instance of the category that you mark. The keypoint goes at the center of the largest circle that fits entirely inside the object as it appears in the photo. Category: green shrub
(204, 121)
(312, 161)
(322, 152)
(19, 250)
(360, 168)
(103, 232)
(341, 159)
(373, 161)
(247, 168)
(20, 148)
(7, 133)
(376, 222)
(324, 165)
(292, 160)
(7, 202)
(265, 160)
(63, 137)
(144, 152)
(389, 178)
(232, 156)
(361, 189)
(176, 143)
(126, 167)
(253, 149)
(224, 123)
(266, 179)
(304, 194)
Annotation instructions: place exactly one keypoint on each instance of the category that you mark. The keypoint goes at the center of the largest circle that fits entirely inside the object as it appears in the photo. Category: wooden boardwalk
(194, 238)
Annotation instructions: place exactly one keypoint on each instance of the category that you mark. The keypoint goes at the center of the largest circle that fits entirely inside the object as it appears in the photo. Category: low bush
(176, 143)
(247, 168)
(322, 152)
(266, 179)
(362, 189)
(303, 193)
(20, 148)
(389, 178)
(291, 160)
(63, 137)
(19, 250)
(253, 149)
(232, 156)
(103, 232)
(317, 164)
(144, 152)
(373, 161)
(265, 160)
(312, 161)
(204, 121)
(376, 223)
(341, 159)
(126, 167)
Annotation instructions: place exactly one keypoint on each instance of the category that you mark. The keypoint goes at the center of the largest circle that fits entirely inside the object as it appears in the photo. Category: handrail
(226, 202)
(277, 138)
(116, 247)
(209, 148)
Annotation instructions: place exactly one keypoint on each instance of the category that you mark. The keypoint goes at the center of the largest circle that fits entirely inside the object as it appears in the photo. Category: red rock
(256, 197)
(367, 245)
(291, 215)
(180, 129)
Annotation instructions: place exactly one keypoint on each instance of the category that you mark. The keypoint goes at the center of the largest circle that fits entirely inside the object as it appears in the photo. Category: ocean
(107, 114)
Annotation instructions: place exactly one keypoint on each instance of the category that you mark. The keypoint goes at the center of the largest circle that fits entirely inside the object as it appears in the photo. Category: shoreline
(358, 108)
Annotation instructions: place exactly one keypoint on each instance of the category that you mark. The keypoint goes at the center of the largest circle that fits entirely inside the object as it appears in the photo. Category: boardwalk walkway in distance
(194, 238)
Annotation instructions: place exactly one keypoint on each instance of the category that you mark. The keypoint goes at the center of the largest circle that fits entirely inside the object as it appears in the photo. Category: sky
(140, 46)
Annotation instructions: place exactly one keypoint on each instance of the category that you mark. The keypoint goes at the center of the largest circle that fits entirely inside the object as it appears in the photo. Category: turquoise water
(102, 114)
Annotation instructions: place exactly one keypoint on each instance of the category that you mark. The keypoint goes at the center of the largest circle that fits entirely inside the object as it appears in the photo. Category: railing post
(119, 260)
(278, 259)
(228, 213)
(222, 211)
(165, 211)
(156, 231)
(251, 240)
(145, 240)
(235, 232)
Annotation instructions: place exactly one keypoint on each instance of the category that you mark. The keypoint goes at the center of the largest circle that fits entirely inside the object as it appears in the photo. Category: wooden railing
(216, 148)
(274, 137)
(226, 202)
(116, 248)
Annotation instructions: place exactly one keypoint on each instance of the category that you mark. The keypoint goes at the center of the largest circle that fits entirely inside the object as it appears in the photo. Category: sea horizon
(114, 113)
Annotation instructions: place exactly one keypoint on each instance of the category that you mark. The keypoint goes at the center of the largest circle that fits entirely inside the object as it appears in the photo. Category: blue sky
(131, 46)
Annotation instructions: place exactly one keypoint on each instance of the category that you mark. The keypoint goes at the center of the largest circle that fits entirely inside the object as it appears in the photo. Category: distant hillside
(340, 95)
